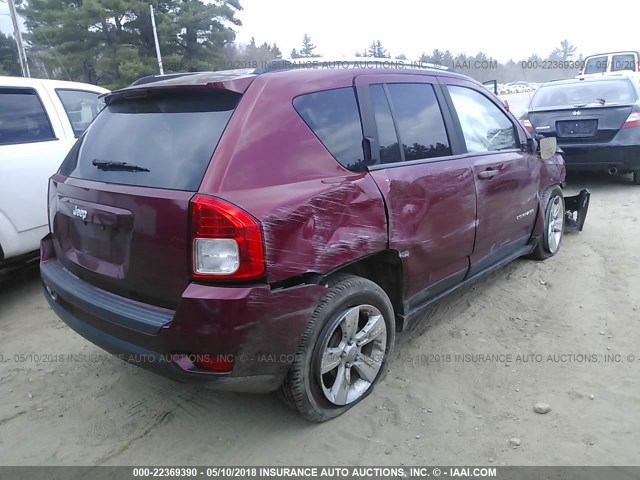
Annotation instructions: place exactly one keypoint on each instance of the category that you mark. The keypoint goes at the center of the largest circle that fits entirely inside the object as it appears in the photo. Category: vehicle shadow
(598, 181)
(17, 278)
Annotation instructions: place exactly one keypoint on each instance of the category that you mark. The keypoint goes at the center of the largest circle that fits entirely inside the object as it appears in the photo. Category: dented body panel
(432, 212)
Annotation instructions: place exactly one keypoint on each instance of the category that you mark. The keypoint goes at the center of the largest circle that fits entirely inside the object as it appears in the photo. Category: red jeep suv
(271, 230)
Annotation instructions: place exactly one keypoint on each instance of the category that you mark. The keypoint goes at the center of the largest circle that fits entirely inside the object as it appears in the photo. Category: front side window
(334, 118)
(81, 107)
(484, 126)
(22, 117)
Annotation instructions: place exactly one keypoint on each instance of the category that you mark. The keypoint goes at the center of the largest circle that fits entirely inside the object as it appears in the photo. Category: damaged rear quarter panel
(317, 226)
(316, 215)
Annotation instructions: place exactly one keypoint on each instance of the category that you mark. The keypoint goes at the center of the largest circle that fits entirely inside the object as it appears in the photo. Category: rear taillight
(633, 120)
(526, 123)
(227, 242)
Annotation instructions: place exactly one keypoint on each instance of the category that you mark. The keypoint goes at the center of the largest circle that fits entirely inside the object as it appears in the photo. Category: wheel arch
(383, 268)
(538, 226)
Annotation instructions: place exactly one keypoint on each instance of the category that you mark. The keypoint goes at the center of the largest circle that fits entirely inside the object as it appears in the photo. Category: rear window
(166, 141)
(22, 117)
(334, 118)
(584, 94)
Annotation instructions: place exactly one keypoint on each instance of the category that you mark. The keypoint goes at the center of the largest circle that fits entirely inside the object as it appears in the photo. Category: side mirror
(548, 147)
(532, 145)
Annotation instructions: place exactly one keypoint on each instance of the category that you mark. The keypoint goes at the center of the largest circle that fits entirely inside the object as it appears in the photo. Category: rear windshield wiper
(600, 101)
(108, 165)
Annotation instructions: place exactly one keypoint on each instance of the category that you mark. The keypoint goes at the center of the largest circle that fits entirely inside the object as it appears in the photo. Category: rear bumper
(259, 329)
(601, 157)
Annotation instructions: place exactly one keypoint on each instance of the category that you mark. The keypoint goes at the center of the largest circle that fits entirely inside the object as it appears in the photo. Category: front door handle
(487, 174)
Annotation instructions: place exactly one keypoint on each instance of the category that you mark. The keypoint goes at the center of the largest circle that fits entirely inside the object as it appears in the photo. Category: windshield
(162, 141)
(583, 94)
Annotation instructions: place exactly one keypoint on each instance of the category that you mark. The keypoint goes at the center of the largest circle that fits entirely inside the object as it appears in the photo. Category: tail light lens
(526, 123)
(227, 242)
(633, 120)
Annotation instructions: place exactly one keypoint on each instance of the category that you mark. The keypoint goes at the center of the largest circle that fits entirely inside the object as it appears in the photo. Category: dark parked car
(271, 231)
(596, 120)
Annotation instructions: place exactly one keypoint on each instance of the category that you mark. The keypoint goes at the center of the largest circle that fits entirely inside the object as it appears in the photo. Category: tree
(110, 42)
(376, 50)
(9, 60)
(564, 52)
(203, 31)
(251, 55)
(307, 47)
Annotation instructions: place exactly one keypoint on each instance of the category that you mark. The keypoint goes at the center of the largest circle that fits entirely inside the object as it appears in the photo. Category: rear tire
(553, 204)
(636, 177)
(344, 352)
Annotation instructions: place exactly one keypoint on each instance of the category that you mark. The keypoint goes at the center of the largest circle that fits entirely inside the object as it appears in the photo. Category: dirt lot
(433, 408)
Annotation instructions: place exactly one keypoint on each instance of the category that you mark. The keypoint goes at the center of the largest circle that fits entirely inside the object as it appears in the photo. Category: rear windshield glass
(164, 141)
(584, 94)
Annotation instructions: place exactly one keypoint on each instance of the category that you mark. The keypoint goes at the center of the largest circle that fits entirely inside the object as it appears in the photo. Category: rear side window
(81, 107)
(625, 61)
(484, 126)
(164, 141)
(596, 65)
(419, 121)
(387, 137)
(22, 117)
(334, 118)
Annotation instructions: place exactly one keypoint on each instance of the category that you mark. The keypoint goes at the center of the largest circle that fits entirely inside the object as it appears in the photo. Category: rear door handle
(487, 174)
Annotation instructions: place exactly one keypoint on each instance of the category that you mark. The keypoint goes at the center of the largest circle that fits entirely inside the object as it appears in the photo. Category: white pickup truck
(39, 122)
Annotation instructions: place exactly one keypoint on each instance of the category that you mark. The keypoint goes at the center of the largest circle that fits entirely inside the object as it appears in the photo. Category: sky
(502, 29)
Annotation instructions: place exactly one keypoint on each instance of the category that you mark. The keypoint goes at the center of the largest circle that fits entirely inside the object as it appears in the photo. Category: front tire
(636, 177)
(553, 204)
(344, 352)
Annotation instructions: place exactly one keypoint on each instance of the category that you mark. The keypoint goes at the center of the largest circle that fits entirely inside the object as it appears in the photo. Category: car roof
(613, 53)
(34, 82)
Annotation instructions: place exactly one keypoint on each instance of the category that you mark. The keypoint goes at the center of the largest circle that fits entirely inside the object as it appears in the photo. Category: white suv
(39, 122)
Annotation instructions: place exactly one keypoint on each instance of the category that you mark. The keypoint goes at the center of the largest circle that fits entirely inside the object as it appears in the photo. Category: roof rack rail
(319, 63)
(309, 63)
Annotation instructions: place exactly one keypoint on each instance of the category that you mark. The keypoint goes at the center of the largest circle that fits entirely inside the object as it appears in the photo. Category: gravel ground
(461, 390)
